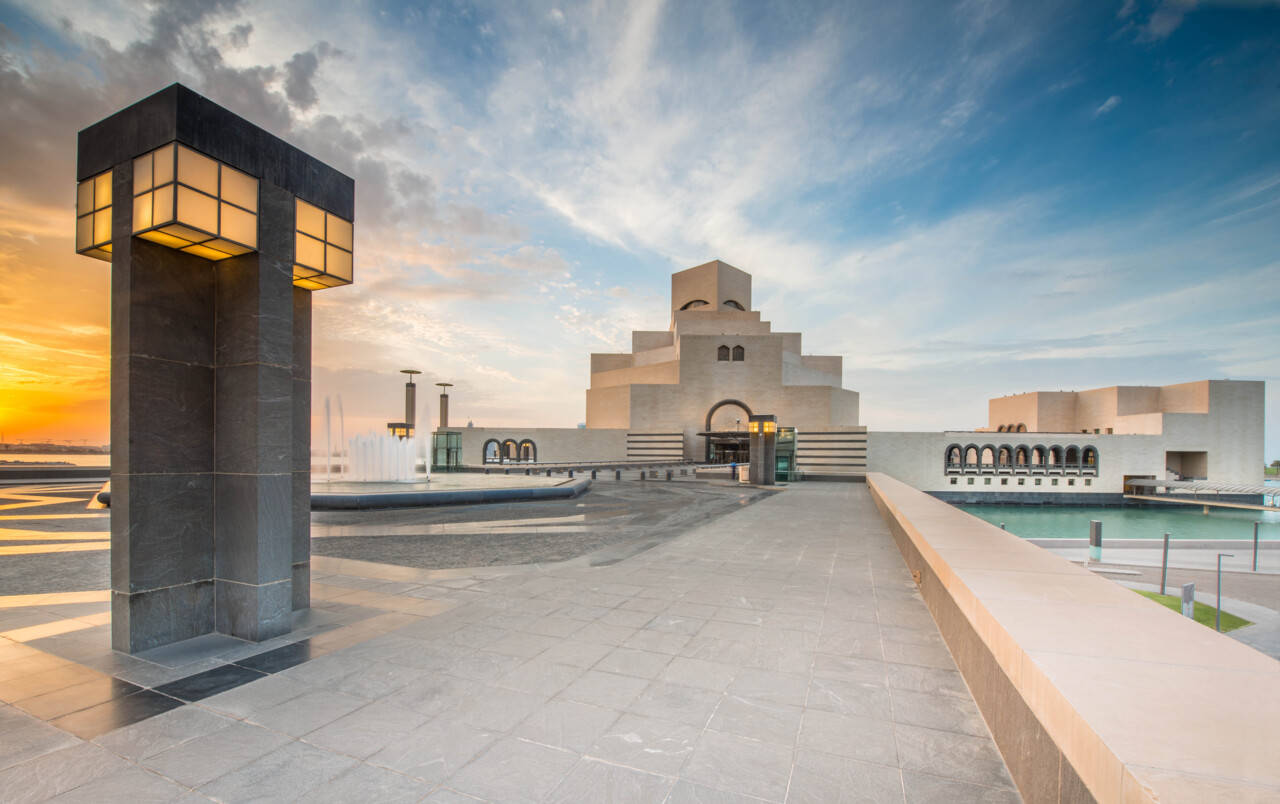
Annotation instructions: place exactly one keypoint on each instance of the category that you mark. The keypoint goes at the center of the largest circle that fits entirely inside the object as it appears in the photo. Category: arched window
(1022, 428)
(988, 457)
(722, 353)
(971, 455)
(739, 354)
(1021, 455)
(510, 450)
(1005, 456)
(491, 449)
(735, 305)
(953, 458)
(1000, 429)
(689, 305)
(1038, 455)
(1055, 456)
(528, 451)
(1090, 456)
(1073, 456)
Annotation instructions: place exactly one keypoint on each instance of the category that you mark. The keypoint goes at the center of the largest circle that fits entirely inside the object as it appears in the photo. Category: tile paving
(778, 652)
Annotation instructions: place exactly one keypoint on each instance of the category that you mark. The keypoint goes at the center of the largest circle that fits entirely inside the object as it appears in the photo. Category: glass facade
(446, 451)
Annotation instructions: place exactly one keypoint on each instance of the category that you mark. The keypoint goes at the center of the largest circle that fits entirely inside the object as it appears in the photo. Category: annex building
(1059, 445)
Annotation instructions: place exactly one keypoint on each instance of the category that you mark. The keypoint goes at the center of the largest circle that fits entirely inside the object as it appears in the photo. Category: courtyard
(675, 642)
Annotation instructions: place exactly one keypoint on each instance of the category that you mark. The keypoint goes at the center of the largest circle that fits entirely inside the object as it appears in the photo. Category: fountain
(375, 458)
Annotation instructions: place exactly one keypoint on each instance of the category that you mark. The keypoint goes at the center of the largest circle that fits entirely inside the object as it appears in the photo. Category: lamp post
(444, 404)
(217, 232)
(763, 433)
(405, 429)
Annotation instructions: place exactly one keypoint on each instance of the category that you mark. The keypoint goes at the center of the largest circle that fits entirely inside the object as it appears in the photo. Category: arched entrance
(726, 445)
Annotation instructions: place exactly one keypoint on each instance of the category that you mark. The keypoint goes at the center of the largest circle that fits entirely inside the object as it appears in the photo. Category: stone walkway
(778, 653)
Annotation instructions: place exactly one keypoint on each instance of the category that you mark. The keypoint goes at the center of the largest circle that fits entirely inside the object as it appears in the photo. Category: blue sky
(964, 200)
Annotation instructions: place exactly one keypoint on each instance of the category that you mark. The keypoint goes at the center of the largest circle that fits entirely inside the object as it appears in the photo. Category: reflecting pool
(1129, 522)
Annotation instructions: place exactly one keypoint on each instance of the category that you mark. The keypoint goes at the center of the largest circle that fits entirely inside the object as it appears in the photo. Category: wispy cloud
(1107, 106)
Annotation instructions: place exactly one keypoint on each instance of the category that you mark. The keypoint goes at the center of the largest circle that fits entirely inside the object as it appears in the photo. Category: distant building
(1087, 443)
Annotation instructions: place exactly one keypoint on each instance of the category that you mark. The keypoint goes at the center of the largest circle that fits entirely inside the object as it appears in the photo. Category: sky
(964, 200)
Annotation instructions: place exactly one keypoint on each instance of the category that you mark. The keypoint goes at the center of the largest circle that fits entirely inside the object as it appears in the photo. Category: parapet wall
(1091, 692)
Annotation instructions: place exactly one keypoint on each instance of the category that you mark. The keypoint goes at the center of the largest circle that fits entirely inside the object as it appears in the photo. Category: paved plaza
(776, 652)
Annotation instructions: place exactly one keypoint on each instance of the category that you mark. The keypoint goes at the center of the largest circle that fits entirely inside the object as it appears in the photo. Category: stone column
(301, 449)
(253, 445)
(162, 434)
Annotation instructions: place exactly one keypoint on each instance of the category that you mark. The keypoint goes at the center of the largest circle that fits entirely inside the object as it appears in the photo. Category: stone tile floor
(776, 653)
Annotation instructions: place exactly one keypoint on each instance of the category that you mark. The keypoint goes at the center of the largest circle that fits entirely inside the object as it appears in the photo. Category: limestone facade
(719, 361)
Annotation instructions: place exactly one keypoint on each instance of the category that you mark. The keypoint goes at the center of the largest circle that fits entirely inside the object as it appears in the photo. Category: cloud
(1107, 106)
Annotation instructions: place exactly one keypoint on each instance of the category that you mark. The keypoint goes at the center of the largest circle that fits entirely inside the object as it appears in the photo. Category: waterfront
(75, 459)
(1128, 522)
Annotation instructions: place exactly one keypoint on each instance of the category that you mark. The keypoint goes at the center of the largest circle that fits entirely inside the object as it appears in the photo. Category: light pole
(216, 232)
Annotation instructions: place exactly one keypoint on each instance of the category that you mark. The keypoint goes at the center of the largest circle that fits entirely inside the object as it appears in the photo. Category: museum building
(686, 392)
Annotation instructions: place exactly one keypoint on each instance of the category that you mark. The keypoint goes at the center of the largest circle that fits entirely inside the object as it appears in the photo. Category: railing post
(1164, 564)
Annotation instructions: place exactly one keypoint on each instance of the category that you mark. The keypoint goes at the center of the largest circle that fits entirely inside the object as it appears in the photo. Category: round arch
(510, 450)
(494, 456)
(528, 451)
(722, 403)
(953, 458)
(689, 305)
(1021, 455)
(1022, 428)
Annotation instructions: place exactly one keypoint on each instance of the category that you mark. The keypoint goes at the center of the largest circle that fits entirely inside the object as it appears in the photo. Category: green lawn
(1204, 614)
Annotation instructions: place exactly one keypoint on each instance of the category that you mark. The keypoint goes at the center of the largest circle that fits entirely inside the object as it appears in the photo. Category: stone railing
(1091, 692)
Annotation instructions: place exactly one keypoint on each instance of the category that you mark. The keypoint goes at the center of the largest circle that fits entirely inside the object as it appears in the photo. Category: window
(1055, 481)
(1038, 481)
(722, 353)
(739, 354)
(1022, 481)
(695, 303)
(1088, 482)
(1004, 481)
(1071, 482)
(970, 481)
(953, 480)
(986, 481)
(735, 305)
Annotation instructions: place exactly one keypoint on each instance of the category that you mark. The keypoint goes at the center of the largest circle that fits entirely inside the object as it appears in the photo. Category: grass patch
(1204, 614)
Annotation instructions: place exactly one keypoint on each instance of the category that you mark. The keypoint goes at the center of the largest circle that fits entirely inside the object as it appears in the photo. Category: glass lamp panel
(186, 233)
(239, 188)
(338, 231)
(308, 284)
(102, 190)
(239, 225)
(202, 250)
(165, 239)
(309, 252)
(198, 171)
(84, 197)
(162, 206)
(197, 209)
(337, 262)
(84, 232)
(142, 173)
(310, 219)
(162, 170)
(102, 226)
(142, 212)
(227, 246)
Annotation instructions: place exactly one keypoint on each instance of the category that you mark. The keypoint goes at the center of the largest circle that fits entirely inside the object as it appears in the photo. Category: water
(1130, 522)
(57, 457)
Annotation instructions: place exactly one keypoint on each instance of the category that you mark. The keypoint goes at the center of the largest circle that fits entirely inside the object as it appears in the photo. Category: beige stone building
(686, 392)
(1086, 444)
(716, 363)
